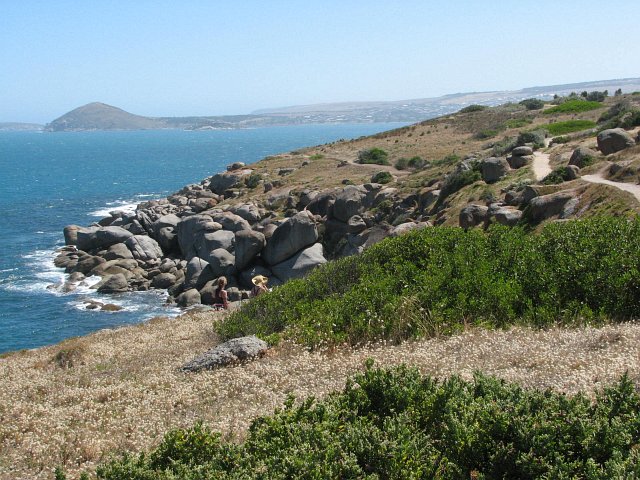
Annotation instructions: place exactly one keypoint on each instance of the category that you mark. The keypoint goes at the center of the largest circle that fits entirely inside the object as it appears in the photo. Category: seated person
(220, 300)
(259, 285)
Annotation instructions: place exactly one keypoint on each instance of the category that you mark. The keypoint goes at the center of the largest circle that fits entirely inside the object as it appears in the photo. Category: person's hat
(259, 280)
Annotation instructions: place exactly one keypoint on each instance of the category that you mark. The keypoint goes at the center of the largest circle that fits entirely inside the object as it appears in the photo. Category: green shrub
(253, 180)
(486, 134)
(562, 128)
(517, 122)
(502, 147)
(316, 156)
(532, 103)
(558, 175)
(437, 280)
(561, 139)
(381, 177)
(458, 180)
(536, 137)
(374, 155)
(473, 108)
(397, 424)
(573, 106)
(402, 163)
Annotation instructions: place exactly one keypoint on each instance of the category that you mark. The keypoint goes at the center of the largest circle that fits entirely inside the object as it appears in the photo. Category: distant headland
(100, 116)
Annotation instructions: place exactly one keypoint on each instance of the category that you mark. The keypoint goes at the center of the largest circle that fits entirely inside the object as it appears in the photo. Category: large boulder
(197, 273)
(547, 206)
(248, 244)
(494, 168)
(582, 156)
(143, 248)
(613, 140)
(519, 161)
(220, 182)
(322, 204)
(113, 284)
(250, 212)
(163, 280)
(221, 262)
(118, 251)
(191, 231)
(86, 263)
(349, 202)
(508, 216)
(300, 264)
(188, 298)
(163, 230)
(233, 351)
(231, 221)
(407, 227)
(214, 240)
(292, 235)
(101, 238)
(473, 215)
(71, 233)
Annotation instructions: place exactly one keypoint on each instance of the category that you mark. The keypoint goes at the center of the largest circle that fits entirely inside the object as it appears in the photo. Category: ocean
(50, 180)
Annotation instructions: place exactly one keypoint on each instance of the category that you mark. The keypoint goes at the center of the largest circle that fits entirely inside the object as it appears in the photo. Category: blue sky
(173, 58)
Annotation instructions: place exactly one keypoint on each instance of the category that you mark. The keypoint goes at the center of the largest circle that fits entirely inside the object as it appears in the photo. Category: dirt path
(541, 166)
(627, 187)
(122, 389)
(541, 169)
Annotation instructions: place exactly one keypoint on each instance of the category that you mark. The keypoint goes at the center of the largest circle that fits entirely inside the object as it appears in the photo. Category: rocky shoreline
(184, 242)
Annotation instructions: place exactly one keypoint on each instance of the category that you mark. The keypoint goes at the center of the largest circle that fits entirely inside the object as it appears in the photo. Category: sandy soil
(627, 187)
(75, 403)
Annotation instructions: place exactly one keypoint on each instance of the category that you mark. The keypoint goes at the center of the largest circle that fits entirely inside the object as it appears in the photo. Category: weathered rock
(143, 248)
(494, 168)
(113, 284)
(103, 269)
(613, 140)
(322, 204)
(71, 233)
(214, 240)
(87, 263)
(520, 161)
(300, 264)
(292, 235)
(428, 198)
(248, 211)
(529, 193)
(582, 156)
(356, 224)
(572, 172)
(188, 298)
(198, 273)
(118, 251)
(522, 151)
(507, 216)
(223, 181)
(101, 238)
(221, 262)
(231, 221)
(473, 215)
(191, 231)
(163, 280)
(407, 227)
(349, 202)
(248, 244)
(547, 206)
(233, 351)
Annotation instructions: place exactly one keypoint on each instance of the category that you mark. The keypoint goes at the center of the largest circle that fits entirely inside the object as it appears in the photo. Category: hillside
(98, 116)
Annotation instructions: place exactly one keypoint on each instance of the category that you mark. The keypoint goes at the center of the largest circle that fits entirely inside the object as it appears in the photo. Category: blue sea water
(50, 180)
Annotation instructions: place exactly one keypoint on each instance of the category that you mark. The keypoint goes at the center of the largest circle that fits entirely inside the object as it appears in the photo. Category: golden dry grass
(122, 390)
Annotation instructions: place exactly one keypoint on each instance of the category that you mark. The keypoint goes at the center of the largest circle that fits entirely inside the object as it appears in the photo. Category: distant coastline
(100, 116)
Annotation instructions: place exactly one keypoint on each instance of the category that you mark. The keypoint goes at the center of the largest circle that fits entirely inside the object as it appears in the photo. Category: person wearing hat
(259, 285)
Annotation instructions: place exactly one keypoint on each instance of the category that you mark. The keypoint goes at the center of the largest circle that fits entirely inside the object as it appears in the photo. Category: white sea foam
(124, 206)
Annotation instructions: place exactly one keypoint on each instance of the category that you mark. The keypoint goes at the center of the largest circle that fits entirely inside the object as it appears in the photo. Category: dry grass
(123, 389)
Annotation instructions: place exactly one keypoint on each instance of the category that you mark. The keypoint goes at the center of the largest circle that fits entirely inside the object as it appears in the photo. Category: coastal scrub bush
(573, 106)
(562, 128)
(397, 424)
(414, 163)
(536, 137)
(532, 103)
(517, 122)
(373, 155)
(558, 175)
(381, 177)
(569, 273)
(253, 180)
(473, 108)
(457, 180)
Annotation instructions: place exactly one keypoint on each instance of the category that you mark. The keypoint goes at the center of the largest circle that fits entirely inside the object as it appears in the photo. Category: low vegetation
(473, 108)
(532, 103)
(437, 280)
(398, 424)
(562, 128)
(573, 106)
(375, 156)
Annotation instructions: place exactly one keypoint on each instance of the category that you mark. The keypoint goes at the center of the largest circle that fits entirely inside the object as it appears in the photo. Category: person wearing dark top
(220, 295)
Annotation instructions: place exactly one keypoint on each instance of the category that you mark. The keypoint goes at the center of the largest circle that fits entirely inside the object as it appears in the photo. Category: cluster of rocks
(185, 242)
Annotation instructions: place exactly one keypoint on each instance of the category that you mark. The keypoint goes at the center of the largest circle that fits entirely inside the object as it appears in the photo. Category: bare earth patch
(74, 403)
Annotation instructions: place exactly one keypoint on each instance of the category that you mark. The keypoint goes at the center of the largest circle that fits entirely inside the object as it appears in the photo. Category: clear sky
(189, 57)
